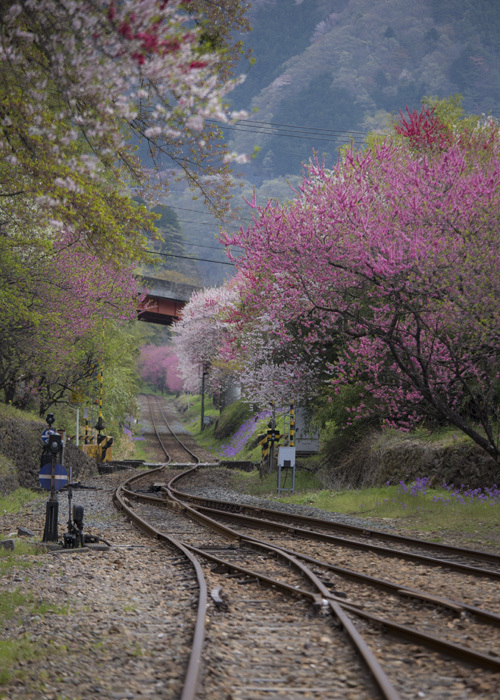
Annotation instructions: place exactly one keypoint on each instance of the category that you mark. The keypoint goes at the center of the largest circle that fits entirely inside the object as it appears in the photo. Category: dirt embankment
(20, 453)
(373, 461)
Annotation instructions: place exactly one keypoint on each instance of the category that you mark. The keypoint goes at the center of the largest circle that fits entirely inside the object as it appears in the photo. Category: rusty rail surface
(192, 676)
(352, 544)
(387, 690)
(167, 455)
(198, 509)
(396, 588)
(186, 449)
(365, 532)
(429, 640)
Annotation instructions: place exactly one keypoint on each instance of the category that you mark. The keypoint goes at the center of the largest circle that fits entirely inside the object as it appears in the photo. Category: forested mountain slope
(343, 65)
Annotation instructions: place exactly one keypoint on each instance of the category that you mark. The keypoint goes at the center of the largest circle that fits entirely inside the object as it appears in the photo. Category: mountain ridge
(362, 61)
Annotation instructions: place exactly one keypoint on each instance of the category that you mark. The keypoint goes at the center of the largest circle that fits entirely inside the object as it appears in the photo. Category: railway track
(172, 448)
(282, 608)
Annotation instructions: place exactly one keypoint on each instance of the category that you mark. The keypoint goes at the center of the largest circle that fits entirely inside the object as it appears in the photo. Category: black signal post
(50, 533)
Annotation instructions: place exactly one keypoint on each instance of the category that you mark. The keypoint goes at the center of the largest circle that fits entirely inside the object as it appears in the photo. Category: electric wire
(199, 223)
(298, 131)
(200, 245)
(291, 135)
(205, 223)
(195, 211)
(303, 128)
(187, 257)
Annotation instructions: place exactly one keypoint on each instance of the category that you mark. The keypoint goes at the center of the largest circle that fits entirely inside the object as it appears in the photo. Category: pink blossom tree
(271, 369)
(210, 338)
(391, 262)
(52, 329)
(158, 365)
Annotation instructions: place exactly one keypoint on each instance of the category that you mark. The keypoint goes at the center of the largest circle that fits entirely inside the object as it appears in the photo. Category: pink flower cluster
(390, 263)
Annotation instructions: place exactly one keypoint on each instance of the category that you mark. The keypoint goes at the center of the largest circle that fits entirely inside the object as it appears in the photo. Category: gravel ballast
(121, 625)
(114, 610)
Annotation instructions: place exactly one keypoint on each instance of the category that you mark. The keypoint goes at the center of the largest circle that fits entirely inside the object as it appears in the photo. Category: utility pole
(272, 426)
(204, 372)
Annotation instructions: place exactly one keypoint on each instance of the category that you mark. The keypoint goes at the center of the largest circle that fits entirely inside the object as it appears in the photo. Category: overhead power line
(200, 223)
(187, 257)
(303, 128)
(197, 211)
(208, 225)
(200, 245)
(290, 135)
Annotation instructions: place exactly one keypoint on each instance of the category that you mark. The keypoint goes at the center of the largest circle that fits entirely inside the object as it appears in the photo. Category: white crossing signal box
(286, 456)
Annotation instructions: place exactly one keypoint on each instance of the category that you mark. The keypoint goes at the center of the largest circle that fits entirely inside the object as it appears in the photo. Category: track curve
(194, 519)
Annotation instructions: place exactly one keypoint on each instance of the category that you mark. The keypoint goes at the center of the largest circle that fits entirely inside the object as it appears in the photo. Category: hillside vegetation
(344, 65)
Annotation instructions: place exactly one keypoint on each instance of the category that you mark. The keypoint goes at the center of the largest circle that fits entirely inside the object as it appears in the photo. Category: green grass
(441, 436)
(192, 420)
(140, 451)
(22, 556)
(13, 602)
(253, 484)
(13, 653)
(8, 411)
(16, 652)
(420, 512)
(193, 414)
(15, 500)
(205, 438)
(476, 521)
(231, 418)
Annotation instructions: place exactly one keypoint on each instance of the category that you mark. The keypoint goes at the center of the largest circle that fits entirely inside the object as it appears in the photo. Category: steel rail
(408, 633)
(162, 502)
(193, 672)
(167, 455)
(325, 597)
(340, 527)
(430, 640)
(179, 476)
(337, 607)
(352, 544)
(385, 686)
(403, 591)
(196, 459)
(383, 683)
(412, 635)
(401, 630)
(448, 603)
(434, 642)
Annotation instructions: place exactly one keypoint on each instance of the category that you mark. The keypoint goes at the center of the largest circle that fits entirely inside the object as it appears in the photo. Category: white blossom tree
(82, 83)
(210, 338)
(200, 336)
